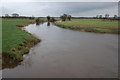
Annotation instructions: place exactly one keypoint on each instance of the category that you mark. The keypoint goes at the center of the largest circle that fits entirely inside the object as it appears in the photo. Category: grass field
(16, 42)
(91, 25)
(0, 43)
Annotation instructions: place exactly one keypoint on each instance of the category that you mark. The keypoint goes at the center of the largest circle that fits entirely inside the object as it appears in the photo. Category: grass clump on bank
(91, 25)
(16, 42)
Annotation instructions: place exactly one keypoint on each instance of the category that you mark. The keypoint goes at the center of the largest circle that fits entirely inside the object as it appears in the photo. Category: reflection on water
(68, 54)
(28, 58)
(48, 24)
(37, 24)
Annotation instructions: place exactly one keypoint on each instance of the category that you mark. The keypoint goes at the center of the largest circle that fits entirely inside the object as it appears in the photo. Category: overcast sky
(37, 8)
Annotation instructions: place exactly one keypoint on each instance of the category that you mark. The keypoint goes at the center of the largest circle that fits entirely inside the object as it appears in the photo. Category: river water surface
(66, 53)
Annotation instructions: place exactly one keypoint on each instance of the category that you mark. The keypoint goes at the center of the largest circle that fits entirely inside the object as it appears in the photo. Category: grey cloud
(57, 8)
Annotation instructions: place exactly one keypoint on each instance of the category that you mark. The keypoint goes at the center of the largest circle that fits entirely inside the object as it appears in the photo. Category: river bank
(16, 42)
(91, 25)
(65, 53)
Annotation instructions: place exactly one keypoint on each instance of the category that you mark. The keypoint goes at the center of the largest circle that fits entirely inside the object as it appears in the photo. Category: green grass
(0, 43)
(0, 35)
(91, 25)
(16, 42)
(12, 35)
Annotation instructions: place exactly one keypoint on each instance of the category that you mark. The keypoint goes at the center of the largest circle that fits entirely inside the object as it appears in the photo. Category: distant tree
(64, 17)
(53, 19)
(100, 16)
(97, 16)
(115, 16)
(106, 16)
(15, 15)
(33, 17)
(6, 15)
(48, 18)
(30, 17)
(37, 20)
(69, 17)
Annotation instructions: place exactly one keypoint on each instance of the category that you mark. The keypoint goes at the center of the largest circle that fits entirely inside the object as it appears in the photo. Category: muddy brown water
(66, 53)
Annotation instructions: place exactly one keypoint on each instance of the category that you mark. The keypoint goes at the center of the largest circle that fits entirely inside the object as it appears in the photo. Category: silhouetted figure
(48, 24)
(48, 18)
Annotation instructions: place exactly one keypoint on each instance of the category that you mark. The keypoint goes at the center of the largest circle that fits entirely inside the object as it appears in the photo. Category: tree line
(107, 16)
(64, 17)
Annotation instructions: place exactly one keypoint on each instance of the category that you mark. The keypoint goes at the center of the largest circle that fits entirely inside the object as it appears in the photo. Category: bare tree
(97, 16)
(64, 17)
(6, 15)
(69, 17)
(115, 16)
(15, 15)
(100, 16)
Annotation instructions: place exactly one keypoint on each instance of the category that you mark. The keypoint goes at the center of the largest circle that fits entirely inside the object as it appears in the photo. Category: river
(64, 53)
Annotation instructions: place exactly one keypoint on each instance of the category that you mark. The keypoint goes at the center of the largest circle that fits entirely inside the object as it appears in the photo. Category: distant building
(15, 15)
